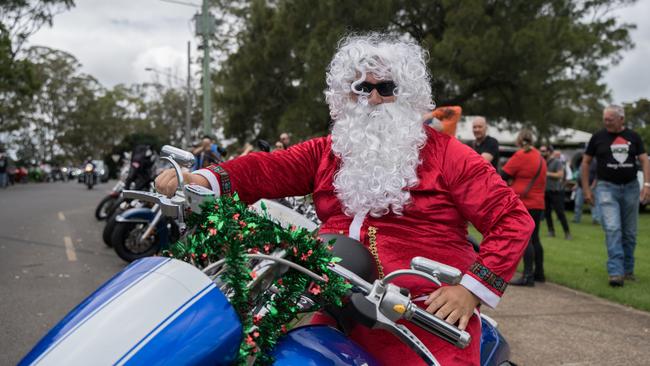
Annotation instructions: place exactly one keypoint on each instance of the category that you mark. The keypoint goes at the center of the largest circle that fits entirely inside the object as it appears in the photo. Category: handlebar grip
(439, 327)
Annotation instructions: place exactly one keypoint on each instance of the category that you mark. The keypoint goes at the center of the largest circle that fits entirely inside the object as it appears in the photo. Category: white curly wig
(379, 145)
(402, 61)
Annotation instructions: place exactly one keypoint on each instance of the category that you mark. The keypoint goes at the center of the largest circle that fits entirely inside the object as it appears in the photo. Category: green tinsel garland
(227, 228)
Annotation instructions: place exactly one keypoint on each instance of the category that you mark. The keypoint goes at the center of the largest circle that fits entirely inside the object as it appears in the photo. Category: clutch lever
(168, 207)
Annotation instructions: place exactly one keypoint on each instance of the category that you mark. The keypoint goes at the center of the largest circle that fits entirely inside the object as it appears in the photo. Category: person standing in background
(285, 140)
(4, 166)
(526, 172)
(619, 151)
(485, 145)
(554, 195)
(579, 196)
(206, 153)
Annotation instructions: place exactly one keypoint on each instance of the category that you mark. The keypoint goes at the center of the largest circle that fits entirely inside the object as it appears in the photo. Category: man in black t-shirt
(618, 151)
(486, 146)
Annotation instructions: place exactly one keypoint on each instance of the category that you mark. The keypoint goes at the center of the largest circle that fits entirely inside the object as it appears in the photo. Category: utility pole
(205, 25)
(205, 28)
(188, 110)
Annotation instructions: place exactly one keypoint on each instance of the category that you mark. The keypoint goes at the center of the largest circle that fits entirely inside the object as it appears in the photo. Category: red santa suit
(455, 185)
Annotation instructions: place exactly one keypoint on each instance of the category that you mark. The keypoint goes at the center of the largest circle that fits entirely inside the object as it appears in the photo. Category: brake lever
(380, 306)
(385, 305)
(410, 339)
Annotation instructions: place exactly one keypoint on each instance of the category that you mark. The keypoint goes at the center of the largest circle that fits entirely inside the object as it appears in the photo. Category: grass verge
(581, 263)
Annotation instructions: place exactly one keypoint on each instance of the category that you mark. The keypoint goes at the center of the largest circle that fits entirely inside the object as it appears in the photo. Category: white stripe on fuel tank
(162, 326)
(96, 310)
(130, 317)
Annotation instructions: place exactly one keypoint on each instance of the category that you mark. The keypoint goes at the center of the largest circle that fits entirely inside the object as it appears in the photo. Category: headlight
(89, 168)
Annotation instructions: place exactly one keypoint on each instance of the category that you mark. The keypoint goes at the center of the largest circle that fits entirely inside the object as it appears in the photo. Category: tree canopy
(539, 62)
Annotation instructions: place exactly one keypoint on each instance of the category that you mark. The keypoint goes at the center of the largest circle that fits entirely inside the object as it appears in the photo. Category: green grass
(581, 263)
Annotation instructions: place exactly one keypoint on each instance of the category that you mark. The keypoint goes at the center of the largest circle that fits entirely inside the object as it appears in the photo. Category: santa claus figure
(401, 188)
(620, 149)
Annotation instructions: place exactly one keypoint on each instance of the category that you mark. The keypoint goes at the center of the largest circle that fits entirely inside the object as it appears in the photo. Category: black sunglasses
(385, 88)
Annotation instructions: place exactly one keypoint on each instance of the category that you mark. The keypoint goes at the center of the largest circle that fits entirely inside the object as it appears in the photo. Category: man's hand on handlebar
(166, 183)
(453, 304)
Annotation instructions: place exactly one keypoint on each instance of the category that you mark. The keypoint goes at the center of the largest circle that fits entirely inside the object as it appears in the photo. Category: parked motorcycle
(121, 206)
(144, 231)
(109, 203)
(113, 200)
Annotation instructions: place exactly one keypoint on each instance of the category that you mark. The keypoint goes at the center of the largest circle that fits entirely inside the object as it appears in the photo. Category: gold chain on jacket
(372, 235)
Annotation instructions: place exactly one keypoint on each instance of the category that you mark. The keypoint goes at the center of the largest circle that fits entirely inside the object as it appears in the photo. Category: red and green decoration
(227, 228)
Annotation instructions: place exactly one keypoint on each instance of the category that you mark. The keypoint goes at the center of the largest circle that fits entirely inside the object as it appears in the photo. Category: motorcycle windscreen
(157, 311)
(320, 345)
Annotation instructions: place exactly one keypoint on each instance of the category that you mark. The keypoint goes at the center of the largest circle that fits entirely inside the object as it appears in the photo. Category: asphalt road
(51, 258)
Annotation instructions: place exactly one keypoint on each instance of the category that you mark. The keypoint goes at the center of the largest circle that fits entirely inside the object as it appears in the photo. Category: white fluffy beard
(379, 147)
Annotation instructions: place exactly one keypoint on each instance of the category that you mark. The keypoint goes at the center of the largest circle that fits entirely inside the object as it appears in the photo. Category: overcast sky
(116, 40)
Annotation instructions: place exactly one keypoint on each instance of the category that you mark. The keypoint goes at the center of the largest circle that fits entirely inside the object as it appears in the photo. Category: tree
(637, 116)
(165, 112)
(19, 19)
(22, 18)
(17, 84)
(61, 87)
(539, 62)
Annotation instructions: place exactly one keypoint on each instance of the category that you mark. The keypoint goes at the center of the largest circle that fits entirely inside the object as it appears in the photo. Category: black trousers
(534, 253)
(554, 201)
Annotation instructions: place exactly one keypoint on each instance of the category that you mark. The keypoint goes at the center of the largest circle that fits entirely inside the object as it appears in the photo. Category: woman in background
(526, 172)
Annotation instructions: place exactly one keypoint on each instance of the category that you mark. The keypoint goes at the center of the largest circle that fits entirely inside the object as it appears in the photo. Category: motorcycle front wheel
(127, 244)
(105, 208)
(108, 229)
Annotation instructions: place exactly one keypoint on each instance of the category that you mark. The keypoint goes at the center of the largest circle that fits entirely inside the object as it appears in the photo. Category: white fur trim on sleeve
(487, 297)
(214, 183)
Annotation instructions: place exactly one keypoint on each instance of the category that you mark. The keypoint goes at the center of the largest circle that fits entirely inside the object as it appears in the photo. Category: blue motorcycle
(162, 311)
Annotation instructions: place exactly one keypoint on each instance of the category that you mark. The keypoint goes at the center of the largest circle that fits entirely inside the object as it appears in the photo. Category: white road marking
(69, 249)
(61, 216)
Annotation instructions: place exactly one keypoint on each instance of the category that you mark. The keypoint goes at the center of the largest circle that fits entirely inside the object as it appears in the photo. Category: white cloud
(115, 40)
(630, 79)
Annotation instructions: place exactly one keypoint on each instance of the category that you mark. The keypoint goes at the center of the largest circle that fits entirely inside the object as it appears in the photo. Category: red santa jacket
(456, 185)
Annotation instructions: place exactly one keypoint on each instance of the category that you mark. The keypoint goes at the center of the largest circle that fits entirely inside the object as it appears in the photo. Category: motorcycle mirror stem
(182, 157)
(443, 272)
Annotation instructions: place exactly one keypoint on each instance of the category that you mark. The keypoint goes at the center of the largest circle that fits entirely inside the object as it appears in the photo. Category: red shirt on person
(522, 167)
